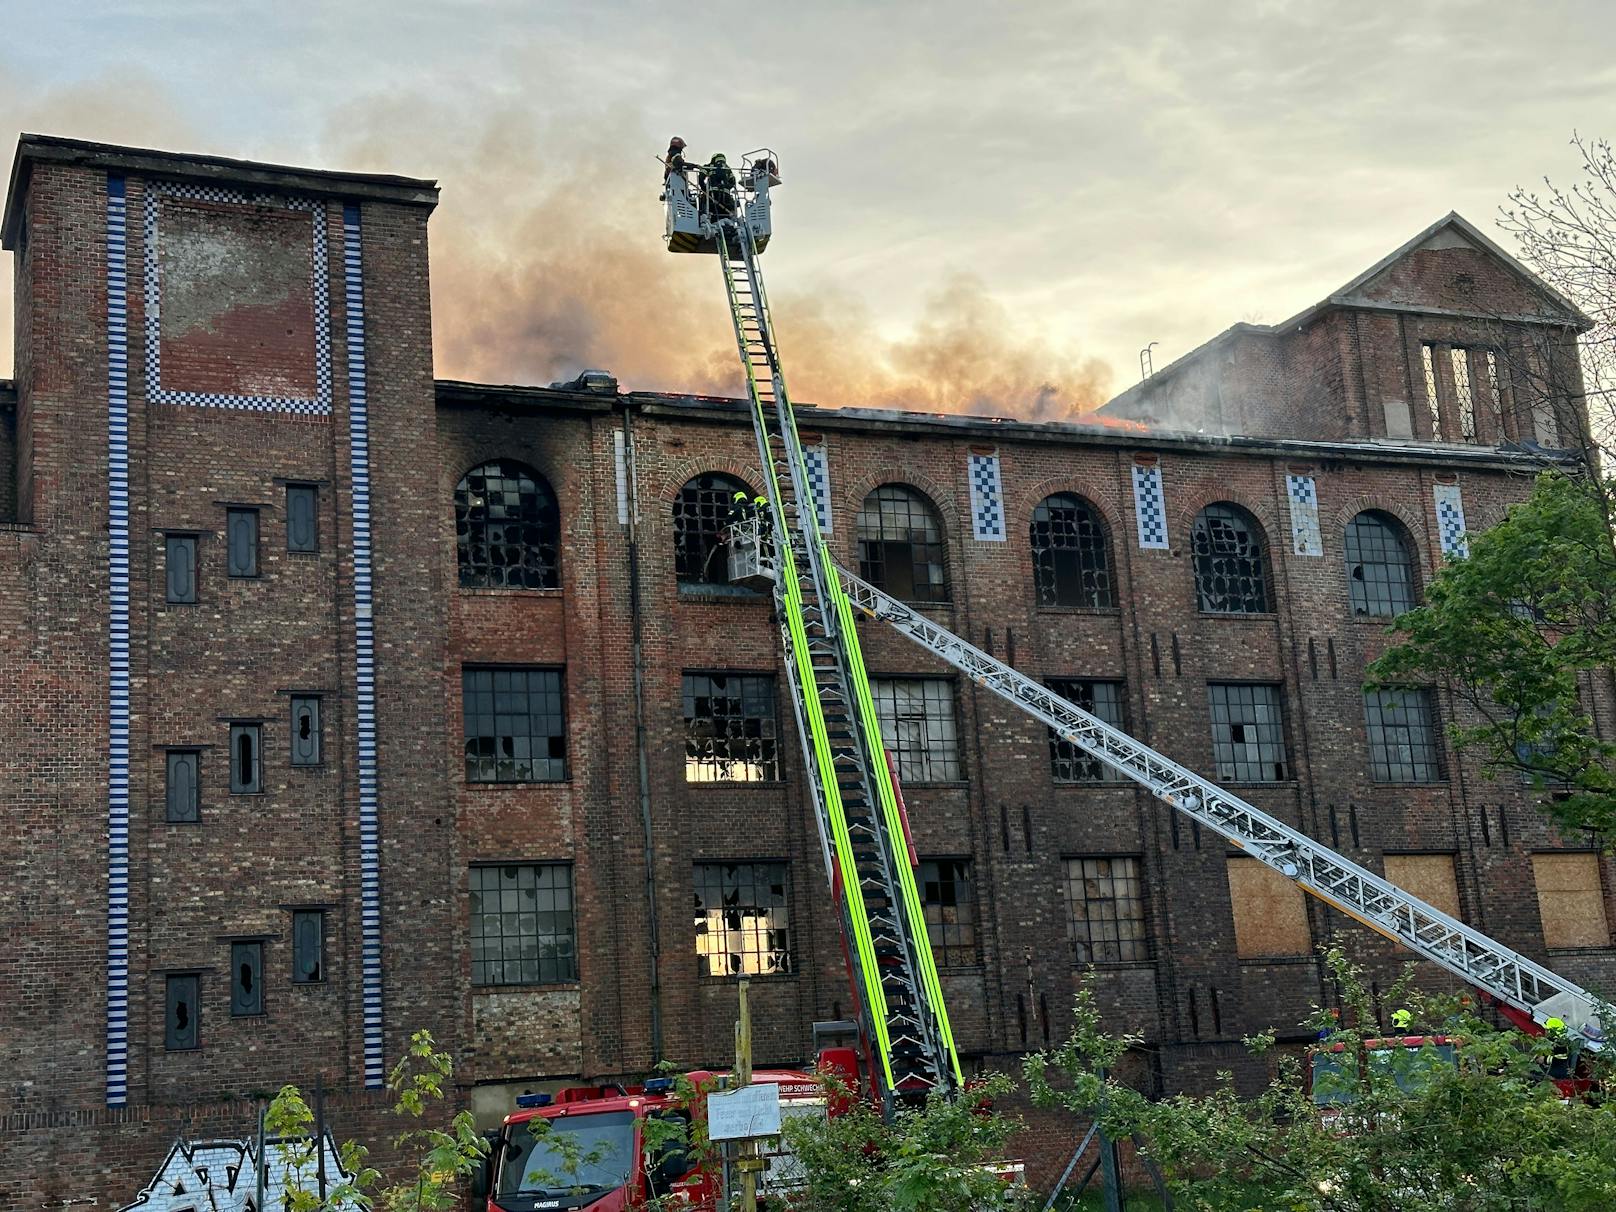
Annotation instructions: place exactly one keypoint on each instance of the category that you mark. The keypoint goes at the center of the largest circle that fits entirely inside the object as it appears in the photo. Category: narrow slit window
(305, 731)
(308, 947)
(246, 979)
(246, 759)
(1459, 358)
(1495, 392)
(183, 799)
(302, 517)
(179, 567)
(241, 542)
(730, 734)
(1432, 401)
(181, 1031)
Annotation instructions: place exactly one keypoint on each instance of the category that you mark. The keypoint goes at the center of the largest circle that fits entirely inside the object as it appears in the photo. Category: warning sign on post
(745, 1114)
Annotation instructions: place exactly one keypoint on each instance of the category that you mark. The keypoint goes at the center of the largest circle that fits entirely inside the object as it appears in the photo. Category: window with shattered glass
(522, 926)
(508, 529)
(917, 727)
(1103, 700)
(700, 515)
(741, 919)
(1248, 733)
(1403, 740)
(900, 545)
(1071, 560)
(949, 904)
(1231, 562)
(730, 734)
(1380, 571)
(1105, 910)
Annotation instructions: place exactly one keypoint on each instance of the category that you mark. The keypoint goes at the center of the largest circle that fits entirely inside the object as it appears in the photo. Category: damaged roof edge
(32, 149)
(724, 411)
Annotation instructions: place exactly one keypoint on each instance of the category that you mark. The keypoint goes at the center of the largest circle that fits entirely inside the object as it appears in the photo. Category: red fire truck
(591, 1150)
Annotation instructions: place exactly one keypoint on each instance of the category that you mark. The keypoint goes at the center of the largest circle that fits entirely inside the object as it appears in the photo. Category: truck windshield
(567, 1155)
(1410, 1068)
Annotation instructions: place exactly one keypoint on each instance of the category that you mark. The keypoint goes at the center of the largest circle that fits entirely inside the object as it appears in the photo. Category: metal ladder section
(1428, 932)
(895, 975)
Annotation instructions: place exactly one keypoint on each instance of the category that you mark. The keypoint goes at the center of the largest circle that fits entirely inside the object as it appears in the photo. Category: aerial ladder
(909, 1044)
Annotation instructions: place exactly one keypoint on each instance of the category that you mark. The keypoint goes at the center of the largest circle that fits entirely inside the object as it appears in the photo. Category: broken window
(1495, 392)
(950, 908)
(1270, 913)
(1459, 359)
(507, 529)
(1248, 733)
(1231, 564)
(179, 567)
(917, 727)
(1432, 400)
(700, 516)
(515, 724)
(1402, 736)
(241, 542)
(1071, 560)
(305, 731)
(1380, 570)
(522, 926)
(302, 517)
(1571, 899)
(246, 759)
(900, 545)
(180, 1030)
(308, 946)
(183, 804)
(246, 979)
(730, 728)
(1103, 700)
(1105, 910)
(1540, 388)
(742, 926)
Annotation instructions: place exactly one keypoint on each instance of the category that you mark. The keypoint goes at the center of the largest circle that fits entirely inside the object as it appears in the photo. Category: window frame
(255, 784)
(297, 948)
(297, 492)
(874, 553)
(185, 542)
(1096, 585)
(569, 971)
(173, 981)
(955, 944)
(238, 949)
(1227, 757)
(195, 762)
(787, 966)
(768, 737)
(1134, 950)
(472, 703)
(1358, 587)
(690, 509)
(1381, 769)
(953, 765)
(1063, 751)
(235, 570)
(540, 551)
(1205, 554)
(310, 702)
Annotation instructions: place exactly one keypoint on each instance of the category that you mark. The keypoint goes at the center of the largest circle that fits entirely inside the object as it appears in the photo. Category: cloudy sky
(987, 207)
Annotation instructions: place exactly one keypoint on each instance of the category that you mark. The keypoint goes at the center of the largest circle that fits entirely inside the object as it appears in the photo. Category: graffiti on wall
(220, 1176)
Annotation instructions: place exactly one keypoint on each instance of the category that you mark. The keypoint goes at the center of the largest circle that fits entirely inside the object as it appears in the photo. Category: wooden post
(748, 1163)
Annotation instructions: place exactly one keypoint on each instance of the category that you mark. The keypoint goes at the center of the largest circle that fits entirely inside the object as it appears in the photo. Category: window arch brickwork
(507, 528)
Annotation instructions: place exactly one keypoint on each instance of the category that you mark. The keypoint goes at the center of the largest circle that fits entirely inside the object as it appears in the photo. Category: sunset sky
(984, 204)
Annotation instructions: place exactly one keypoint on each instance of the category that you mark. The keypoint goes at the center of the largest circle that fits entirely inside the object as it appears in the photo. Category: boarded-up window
(1270, 916)
(1429, 877)
(1571, 898)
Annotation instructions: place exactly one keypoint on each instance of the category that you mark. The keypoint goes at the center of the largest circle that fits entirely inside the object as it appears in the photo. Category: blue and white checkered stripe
(156, 393)
(370, 883)
(1303, 495)
(1150, 507)
(1450, 520)
(818, 465)
(118, 645)
(987, 498)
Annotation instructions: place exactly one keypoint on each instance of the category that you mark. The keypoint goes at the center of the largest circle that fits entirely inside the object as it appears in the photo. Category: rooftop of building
(208, 170)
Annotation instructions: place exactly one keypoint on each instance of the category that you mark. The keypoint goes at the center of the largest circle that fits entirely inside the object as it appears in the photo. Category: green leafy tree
(938, 1155)
(1471, 1128)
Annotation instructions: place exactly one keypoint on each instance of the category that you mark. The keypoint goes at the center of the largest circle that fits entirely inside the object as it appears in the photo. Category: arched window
(1071, 560)
(507, 528)
(699, 517)
(900, 545)
(1231, 562)
(1380, 569)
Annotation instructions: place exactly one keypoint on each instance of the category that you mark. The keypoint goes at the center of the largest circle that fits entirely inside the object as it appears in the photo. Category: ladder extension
(894, 973)
(1383, 907)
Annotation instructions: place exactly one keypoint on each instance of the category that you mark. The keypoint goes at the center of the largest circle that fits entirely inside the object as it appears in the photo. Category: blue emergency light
(658, 1085)
(526, 1101)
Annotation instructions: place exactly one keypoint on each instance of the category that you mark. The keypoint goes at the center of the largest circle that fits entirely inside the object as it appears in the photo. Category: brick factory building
(337, 702)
